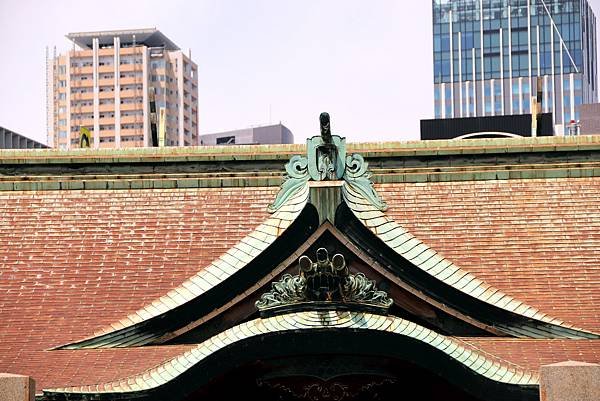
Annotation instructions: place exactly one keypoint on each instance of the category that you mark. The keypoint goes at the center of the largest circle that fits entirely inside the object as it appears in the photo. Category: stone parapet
(16, 387)
(570, 381)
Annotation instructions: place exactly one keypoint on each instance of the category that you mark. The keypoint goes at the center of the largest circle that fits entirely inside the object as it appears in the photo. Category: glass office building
(488, 55)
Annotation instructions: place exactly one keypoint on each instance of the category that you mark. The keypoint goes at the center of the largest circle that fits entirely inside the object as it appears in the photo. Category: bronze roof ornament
(324, 284)
(325, 127)
(326, 160)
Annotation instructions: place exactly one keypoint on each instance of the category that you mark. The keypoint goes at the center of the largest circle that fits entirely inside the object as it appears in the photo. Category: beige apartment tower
(104, 84)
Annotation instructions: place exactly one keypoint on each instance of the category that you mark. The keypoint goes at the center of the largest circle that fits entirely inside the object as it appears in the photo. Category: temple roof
(86, 244)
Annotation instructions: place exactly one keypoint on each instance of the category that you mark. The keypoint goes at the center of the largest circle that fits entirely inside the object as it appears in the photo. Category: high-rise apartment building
(103, 84)
(488, 55)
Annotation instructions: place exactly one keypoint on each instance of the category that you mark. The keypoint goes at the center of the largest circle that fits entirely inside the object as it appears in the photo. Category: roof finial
(325, 127)
(326, 159)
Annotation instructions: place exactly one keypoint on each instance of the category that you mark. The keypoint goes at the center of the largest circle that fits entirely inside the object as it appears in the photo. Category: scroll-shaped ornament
(358, 177)
(363, 289)
(296, 177)
(325, 284)
(288, 290)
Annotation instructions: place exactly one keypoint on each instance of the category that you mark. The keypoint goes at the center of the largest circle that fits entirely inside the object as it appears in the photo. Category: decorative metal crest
(358, 177)
(326, 160)
(324, 283)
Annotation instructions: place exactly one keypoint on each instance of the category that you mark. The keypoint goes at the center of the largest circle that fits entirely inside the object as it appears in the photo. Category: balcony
(106, 95)
(82, 109)
(106, 52)
(132, 119)
(82, 70)
(107, 133)
(130, 80)
(132, 144)
(82, 96)
(84, 83)
(107, 121)
(130, 67)
(127, 51)
(106, 68)
(106, 107)
(131, 132)
(106, 82)
(86, 122)
(106, 145)
(129, 94)
(131, 106)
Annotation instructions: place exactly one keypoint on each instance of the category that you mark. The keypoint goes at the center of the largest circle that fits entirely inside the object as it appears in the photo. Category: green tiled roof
(471, 358)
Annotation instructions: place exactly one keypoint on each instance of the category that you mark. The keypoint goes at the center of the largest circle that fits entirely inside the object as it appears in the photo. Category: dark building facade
(11, 140)
(265, 135)
(489, 53)
(590, 119)
(485, 127)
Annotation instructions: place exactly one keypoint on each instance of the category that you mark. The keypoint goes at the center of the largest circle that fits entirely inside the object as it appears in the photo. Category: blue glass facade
(488, 55)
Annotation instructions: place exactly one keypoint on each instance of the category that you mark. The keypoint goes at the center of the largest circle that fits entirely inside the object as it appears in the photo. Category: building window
(526, 103)
(226, 140)
(448, 101)
(498, 100)
(157, 64)
(62, 134)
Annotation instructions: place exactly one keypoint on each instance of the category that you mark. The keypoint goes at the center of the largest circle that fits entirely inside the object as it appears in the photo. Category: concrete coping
(284, 151)
(570, 381)
(16, 387)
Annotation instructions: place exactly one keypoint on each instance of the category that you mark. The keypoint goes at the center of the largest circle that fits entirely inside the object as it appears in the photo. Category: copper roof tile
(537, 240)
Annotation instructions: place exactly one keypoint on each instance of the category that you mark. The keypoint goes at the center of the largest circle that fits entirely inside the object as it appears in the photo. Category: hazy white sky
(368, 63)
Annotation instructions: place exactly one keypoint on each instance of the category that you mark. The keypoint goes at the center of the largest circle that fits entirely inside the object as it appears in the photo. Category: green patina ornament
(326, 284)
(296, 177)
(325, 160)
(358, 177)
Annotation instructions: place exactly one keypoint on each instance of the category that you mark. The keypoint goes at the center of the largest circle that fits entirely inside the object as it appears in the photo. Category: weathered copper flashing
(284, 152)
(205, 167)
(480, 364)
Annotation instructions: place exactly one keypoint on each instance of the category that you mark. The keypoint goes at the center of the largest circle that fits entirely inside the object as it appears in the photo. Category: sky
(367, 63)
